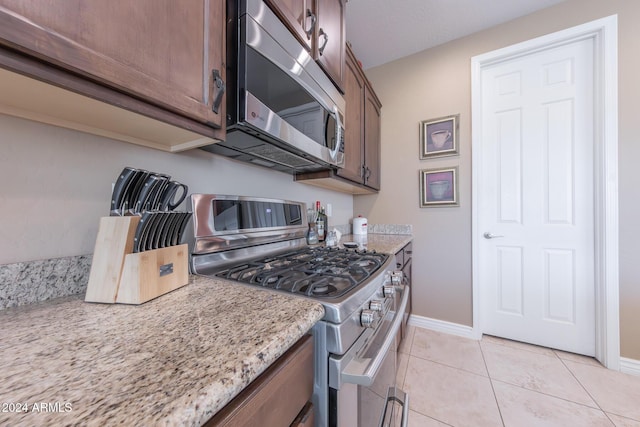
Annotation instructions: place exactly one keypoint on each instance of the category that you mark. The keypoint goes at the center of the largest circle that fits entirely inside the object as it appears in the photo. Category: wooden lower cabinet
(279, 397)
(403, 262)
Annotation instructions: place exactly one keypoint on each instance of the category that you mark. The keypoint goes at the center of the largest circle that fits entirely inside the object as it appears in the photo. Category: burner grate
(313, 271)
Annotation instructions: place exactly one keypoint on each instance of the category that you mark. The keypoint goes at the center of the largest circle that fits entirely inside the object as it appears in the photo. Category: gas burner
(363, 263)
(265, 281)
(318, 272)
(318, 290)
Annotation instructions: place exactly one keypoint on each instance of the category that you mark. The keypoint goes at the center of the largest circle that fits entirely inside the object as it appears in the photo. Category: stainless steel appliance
(261, 242)
(283, 112)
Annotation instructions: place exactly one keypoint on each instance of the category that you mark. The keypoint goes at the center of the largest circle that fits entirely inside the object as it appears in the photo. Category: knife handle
(141, 231)
(136, 185)
(183, 226)
(168, 200)
(156, 198)
(120, 189)
(145, 198)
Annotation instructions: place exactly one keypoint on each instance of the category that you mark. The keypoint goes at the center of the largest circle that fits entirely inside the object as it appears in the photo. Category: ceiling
(381, 31)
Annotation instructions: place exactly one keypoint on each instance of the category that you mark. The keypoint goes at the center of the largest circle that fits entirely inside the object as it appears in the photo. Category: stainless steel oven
(260, 242)
(365, 376)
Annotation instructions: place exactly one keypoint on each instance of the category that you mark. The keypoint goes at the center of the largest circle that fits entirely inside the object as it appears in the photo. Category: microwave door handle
(340, 141)
(353, 372)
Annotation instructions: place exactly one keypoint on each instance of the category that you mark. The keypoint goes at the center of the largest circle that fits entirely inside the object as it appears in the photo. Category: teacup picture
(439, 137)
(439, 189)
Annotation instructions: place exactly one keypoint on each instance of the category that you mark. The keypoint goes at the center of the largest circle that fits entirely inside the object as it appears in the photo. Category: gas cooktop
(318, 272)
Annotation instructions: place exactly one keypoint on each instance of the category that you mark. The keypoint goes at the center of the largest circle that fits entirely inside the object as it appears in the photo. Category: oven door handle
(395, 394)
(362, 371)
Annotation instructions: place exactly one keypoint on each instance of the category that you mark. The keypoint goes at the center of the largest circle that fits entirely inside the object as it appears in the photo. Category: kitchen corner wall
(56, 184)
(436, 83)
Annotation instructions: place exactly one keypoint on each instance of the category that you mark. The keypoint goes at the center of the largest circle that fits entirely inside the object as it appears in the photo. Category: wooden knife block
(120, 276)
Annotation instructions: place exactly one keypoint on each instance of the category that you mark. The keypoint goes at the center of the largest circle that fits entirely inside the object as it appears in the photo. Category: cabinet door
(277, 396)
(298, 15)
(372, 139)
(353, 122)
(329, 48)
(161, 51)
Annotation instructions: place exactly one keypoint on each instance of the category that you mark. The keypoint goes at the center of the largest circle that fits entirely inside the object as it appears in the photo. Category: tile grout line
(585, 389)
(457, 368)
(404, 379)
(495, 397)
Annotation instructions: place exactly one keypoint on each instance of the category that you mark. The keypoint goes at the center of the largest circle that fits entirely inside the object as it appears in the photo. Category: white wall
(436, 83)
(56, 184)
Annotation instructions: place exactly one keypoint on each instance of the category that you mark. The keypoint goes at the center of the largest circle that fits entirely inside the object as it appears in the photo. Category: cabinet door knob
(218, 90)
(313, 23)
(324, 44)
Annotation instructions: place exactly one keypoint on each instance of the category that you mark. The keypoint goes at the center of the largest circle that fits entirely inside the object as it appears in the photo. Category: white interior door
(536, 198)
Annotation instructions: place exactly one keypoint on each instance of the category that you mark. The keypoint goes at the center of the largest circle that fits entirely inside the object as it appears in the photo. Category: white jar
(359, 226)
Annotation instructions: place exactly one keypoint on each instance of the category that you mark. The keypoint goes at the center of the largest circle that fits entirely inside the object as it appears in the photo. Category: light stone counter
(384, 243)
(174, 361)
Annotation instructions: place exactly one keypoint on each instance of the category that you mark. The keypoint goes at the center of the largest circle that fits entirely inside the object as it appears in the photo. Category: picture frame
(439, 187)
(439, 137)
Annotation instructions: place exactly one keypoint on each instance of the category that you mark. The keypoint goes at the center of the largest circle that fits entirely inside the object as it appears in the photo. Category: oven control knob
(368, 318)
(376, 305)
(397, 277)
(389, 290)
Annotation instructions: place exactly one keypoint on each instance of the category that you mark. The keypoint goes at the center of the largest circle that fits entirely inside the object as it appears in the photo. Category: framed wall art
(439, 137)
(439, 187)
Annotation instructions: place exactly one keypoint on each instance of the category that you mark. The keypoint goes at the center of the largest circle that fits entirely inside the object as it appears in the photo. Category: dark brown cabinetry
(361, 172)
(403, 262)
(371, 166)
(362, 128)
(280, 396)
(320, 26)
(160, 52)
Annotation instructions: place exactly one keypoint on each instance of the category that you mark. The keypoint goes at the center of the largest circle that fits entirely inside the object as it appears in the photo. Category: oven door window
(288, 99)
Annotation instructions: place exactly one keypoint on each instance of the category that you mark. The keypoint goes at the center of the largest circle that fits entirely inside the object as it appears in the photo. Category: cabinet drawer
(277, 396)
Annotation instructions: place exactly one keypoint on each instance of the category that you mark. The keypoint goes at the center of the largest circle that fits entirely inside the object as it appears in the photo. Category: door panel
(537, 273)
(510, 283)
(509, 140)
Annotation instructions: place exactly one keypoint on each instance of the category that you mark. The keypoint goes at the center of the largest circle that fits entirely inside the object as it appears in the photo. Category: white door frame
(604, 33)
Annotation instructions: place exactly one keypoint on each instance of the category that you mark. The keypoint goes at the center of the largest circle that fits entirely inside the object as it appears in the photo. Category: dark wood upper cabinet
(299, 16)
(329, 48)
(160, 51)
(362, 128)
(354, 122)
(320, 26)
(372, 139)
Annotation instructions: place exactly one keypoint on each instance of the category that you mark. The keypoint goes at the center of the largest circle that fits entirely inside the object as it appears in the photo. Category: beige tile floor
(454, 381)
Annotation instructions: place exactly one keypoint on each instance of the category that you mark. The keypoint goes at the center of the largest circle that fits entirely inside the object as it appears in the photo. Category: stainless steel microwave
(283, 112)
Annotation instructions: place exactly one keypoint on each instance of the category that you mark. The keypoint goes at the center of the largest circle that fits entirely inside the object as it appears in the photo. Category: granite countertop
(385, 243)
(175, 360)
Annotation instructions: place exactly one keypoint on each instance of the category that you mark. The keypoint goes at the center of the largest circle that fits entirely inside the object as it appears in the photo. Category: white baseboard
(630, 366)
(442, 326)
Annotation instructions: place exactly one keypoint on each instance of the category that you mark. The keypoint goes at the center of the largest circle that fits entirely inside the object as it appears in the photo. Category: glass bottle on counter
(321, 222)
(312, 233)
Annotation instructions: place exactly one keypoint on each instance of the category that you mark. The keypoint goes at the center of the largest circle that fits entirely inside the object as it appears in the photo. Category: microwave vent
(275, 154)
